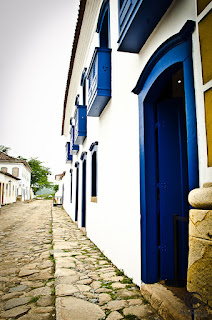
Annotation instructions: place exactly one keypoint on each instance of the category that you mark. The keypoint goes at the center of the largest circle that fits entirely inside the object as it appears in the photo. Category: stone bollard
(199, 278)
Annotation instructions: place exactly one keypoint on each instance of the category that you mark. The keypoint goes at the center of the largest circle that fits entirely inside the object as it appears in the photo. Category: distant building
(19, 169)
(59, 195)
(8, 188)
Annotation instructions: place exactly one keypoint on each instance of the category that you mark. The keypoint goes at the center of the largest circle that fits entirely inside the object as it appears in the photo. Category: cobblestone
(88, 285)
(46, 261)
(25, 264)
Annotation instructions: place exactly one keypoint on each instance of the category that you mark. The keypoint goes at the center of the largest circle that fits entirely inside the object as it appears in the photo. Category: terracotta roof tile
(5, 158)
(9, 175)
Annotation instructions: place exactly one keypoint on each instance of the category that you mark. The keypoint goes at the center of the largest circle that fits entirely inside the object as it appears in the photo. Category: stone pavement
(46, 261)
(26, 270)
(87, 285)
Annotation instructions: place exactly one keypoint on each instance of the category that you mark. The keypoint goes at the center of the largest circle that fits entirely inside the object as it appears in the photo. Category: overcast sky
(36, 38)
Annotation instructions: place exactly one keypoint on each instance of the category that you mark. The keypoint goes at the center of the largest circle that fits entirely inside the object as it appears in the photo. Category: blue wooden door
(172, 186)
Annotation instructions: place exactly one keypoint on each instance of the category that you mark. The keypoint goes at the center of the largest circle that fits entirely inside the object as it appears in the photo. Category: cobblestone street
(26, 272)
(37, 239)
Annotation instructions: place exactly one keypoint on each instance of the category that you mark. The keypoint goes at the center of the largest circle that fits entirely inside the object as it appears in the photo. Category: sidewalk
(87, 285)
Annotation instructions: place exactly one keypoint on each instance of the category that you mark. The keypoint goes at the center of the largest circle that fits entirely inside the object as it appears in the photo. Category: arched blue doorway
(168, 156)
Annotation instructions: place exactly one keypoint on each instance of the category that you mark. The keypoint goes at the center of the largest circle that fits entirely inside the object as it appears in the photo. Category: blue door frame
(84, 161)
(176, 50)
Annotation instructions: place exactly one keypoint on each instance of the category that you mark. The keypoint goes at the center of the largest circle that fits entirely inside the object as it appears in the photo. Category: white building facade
(138, 129)
(20, 169)
(8, 188)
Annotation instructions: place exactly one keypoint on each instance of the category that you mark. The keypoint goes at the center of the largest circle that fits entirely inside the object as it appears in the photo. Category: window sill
(94, 199)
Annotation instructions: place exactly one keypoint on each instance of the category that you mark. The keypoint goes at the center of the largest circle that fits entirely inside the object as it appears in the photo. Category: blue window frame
(74, 148)
(84, 184)
(77, 190)
(80, 127)
(103, 25)
(83, 85)
(174, 52)
(94, 148)
(99, 72)
(71, 184)
(69, 157)
(137, 20)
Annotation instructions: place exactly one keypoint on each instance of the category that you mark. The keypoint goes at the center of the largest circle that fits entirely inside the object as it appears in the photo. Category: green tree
(56, 187)
(21, 158)
(4, 149)
(39, 175)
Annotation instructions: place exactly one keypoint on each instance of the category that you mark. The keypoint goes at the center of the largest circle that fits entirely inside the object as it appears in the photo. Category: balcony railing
(80, 128)
(137, 20)
(69, 157)
(74, 148)
(99, 81)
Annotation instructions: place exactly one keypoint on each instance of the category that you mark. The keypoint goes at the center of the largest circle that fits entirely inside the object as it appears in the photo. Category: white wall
(113, 223)
(9, 191)
(24, 175)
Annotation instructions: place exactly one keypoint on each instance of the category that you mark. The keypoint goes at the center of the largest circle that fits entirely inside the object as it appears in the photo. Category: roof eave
(74, 49)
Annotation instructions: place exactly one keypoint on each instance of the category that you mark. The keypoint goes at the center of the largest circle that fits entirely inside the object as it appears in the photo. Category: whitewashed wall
(113, 223)
(9, 194)
(24, 175)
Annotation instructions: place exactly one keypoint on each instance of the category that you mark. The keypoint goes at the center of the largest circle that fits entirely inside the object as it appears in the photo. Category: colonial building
(19, 169)
(138, 122)
(59, 195)
(8, 188)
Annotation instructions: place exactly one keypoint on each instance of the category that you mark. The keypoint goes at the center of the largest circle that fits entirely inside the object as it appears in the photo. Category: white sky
(36, 38)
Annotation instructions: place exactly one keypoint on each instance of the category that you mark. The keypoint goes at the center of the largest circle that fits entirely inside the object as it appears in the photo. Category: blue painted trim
(77, 100)
(93, 145)
(191, 123)
(76, 164)
(74, 148)
(137, 20)
(165, 47)
(80, 128)
(69, 157)
(176, 50)
(99, 76)
(83, 77)
(103, 10)
(83, 155)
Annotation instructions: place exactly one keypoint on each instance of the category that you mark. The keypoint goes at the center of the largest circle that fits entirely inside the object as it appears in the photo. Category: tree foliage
(4, 149)
(39, 175)
(56, 187)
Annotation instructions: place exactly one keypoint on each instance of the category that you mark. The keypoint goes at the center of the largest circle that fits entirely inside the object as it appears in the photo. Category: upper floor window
(103, 26)
(15, 172)
(4, 169)
(83, 85)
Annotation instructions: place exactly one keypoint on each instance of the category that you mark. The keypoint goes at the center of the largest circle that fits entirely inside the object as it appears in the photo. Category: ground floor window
(71, 186)
(94, 151)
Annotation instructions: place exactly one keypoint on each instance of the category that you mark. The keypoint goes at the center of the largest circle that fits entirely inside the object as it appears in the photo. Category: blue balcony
(69, 157)
(80, 128)
(137, 20)
(74, 148)
(99, 77)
